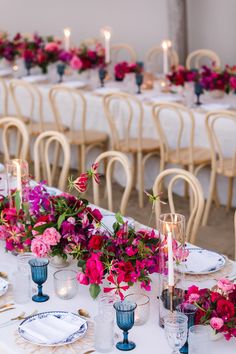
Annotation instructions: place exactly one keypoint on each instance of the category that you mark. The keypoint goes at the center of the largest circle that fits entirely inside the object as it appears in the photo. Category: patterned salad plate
(53, 328)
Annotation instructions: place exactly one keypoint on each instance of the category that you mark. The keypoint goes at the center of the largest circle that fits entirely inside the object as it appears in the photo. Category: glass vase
(172, 255)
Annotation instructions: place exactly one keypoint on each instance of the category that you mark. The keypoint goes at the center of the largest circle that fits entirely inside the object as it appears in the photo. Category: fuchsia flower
(225, 285)
(52, 47)
(81, 183)
(117, 288)
(51, 236)
(216, 323)
(94, 269)
(82, 278)
(39, 247)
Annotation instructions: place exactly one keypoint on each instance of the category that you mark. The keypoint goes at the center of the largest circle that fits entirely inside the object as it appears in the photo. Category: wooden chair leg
(82, 158)
(134, 170)
(210, 197)
(230, 193)
(140, 178)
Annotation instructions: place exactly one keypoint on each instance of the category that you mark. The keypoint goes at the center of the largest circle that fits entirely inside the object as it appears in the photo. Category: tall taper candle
(67, 34)
(171, 281)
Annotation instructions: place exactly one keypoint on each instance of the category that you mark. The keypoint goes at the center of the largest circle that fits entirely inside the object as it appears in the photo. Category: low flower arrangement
(216, 307)
(123, 68)
(180, 75)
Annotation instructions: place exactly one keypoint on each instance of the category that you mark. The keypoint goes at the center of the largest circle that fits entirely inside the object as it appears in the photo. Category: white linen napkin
(200, 261)
(167, 98)
(106, 90)
(73, 84)
(52, 329)
(35, 78)
(215, 106)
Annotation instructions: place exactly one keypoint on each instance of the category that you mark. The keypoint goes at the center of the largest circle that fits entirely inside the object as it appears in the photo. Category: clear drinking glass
(189, 310)
(142, 311)
(105, 305)
(65, 283)
(198, 339)
(104, 333)
(23, 261)
(21, 287)
(176, 329)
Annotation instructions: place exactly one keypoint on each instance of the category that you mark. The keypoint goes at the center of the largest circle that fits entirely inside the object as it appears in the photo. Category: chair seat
(148, 145)
(227, 169)
(34, 128)
(200, 156)
(91, 137)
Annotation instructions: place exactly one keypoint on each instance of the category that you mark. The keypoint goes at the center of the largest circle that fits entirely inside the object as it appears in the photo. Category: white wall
(141, 23)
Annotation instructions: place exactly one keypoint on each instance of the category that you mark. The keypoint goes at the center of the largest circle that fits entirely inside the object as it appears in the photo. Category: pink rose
(76, 63)
(216, 323)
(39, 247)
(51, 236)
(51, 47)
(94, 269)
(225, 285)
(82, 279)
(193, 298)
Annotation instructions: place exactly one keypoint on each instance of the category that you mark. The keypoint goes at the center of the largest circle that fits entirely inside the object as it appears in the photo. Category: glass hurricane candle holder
(17, 172)
(125, 321)
(143, 307)
(39, 272)
(172, 255)
(65, 283)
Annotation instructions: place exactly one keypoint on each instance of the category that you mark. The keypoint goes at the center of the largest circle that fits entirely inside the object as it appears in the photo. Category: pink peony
(76, 63)
(193, 298)
(216, 323)
(39, 247)
(51, 47)
(82, 279)
(225, 285)
(51, 236)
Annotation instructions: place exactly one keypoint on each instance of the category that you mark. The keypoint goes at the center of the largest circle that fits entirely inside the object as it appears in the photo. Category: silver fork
(20, 317)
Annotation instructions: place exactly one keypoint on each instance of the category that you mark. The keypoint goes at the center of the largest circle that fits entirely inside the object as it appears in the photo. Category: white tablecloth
(96, 120)
(149, 338)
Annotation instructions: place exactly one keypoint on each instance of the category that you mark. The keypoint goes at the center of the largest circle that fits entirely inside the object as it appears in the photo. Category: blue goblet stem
(125, 340)
(40, 290)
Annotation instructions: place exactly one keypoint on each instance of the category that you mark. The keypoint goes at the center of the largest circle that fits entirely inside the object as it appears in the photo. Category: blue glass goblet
(61, 71)
(28, 66)
(102, 75)
(125, 321)
(139, 81)
(39, 272)
(198, 92)
(189, 310)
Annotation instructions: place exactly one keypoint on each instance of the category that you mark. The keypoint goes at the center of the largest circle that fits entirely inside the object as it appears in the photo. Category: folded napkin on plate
(215, 106)
(35, 78)
(73, 84)
(52, 329)
(106, 90)
(200, 261)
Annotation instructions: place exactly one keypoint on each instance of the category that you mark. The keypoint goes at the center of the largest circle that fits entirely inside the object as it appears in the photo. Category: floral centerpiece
(216, 307)
(123, 68)
(180, 75)
(85, 57)
(215, 79)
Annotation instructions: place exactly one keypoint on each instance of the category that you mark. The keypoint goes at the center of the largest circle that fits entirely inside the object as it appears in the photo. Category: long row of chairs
(193, 60)
(183, 151)
(48, 166)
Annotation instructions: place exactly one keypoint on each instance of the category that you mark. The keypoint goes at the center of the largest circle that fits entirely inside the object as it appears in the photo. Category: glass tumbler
(198, 339)
(104, 333)
(176, 329)
(21, 287)
(65, 283)
(142, 311)
(189, 310)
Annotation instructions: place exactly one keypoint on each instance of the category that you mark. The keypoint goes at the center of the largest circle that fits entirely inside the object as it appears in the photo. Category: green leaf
(119, 218)
(94, 290)
(17, 200)
(60, 220)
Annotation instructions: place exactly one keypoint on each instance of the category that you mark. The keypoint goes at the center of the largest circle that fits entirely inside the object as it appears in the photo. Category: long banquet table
(149, 338)
(96, 120)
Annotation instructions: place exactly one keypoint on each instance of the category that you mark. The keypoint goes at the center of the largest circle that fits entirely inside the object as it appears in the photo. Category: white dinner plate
(73, 84)
(5, 72)
(202, 262)
(3, 286)
(35, 329)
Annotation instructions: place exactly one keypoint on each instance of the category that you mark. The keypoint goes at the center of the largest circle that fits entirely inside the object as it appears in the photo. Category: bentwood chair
(13, 128)
(197, 202)
(70, 106)
(28, 100)
(235, 234)
(46, 145)
(175, 126)
(221, 164)
(4, 97)
(193, 60)
(114, 157)
(124, 113)
(157, 52)
(123, 51)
